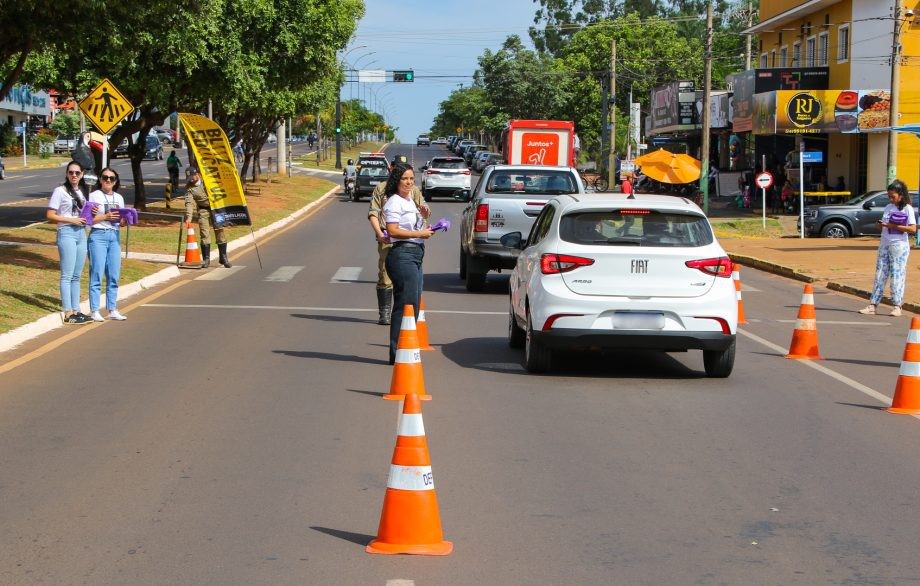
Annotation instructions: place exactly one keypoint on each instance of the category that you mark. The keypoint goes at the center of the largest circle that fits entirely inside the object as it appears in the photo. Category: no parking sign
(764, 180)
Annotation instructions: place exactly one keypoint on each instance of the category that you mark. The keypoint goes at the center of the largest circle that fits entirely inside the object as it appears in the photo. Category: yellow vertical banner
(217, 166)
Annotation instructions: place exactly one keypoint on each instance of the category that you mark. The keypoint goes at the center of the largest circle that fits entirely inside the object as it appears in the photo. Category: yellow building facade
(854, 40)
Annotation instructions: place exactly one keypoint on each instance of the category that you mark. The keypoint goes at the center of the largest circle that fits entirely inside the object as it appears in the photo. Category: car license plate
(638, 320)
(375, 183)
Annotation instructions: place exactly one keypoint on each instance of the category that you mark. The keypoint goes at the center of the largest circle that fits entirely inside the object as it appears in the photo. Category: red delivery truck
(539, 142)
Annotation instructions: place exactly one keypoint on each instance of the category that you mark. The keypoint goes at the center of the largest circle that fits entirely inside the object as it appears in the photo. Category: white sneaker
(868, 310)
(97, 316)
(895, 312)
(116, 316)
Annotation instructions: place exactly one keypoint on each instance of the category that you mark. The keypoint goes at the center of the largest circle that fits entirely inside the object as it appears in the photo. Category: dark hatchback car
(371, 172)
(857, 216)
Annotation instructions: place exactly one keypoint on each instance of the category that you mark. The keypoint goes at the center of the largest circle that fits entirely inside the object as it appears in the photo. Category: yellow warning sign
(105, 106)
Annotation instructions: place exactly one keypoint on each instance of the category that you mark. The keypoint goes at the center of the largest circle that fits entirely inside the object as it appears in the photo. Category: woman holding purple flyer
(105, 245)
(899, 221)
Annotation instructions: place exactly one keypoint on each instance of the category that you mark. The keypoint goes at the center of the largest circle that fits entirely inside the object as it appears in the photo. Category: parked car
(165, 135)
(857, 216)
(152, 148)
(65, 144)
(483, 158)
(612, 271)
(439, 140)
(461, 144)
(423, 140)
(445, 176)
(507, 198)
(121, 150)
(470, 152)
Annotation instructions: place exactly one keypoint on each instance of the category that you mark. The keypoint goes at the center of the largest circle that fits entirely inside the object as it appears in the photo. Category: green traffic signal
(404, 75)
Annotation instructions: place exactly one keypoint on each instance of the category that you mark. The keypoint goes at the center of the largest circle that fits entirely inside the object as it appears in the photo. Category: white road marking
(283, 274)
(748, 288)
(400, 582)
(302, 308)
(346, 275)
(885, 400)
(822, 322)
(219, 273)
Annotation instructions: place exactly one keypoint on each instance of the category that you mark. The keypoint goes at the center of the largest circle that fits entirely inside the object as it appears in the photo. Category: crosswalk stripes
(346, 275)
(219, 274)
(283, 274)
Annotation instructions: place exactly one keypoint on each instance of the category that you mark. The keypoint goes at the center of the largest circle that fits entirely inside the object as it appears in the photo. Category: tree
(561, 19)
(66, 124)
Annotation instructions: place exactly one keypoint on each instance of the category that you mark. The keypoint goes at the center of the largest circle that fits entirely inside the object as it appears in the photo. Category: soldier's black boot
(205, 256)
(384, 306)
(222, 251)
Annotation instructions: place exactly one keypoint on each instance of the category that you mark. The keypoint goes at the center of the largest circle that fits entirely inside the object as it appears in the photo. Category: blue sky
(440, 40)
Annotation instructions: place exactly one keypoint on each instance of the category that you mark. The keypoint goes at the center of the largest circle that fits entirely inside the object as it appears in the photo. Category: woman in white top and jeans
(105, 245)
(406, 227)
(65, 206)
(899, 221)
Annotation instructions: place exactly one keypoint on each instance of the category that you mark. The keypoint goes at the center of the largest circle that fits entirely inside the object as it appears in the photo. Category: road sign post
(105, 107)
(764, 180)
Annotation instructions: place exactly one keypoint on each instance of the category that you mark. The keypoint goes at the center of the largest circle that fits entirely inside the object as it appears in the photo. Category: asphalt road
(232, 432)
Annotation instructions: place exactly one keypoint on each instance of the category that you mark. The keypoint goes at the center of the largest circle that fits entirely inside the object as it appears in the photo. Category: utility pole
(338, 130)
(707, 91)
(747, 51)
(611, 159)
(895, 94)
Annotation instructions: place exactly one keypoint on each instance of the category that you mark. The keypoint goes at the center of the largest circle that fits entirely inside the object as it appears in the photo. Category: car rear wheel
(719, 363)
(537, 357)
(835, 230)
(516, 335)
(475, 281)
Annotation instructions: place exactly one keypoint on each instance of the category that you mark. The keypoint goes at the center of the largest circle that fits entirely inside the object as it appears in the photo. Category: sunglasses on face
(108, 177)
(77, 173)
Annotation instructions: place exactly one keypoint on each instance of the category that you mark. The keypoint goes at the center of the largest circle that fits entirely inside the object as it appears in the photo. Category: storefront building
(23, 104)
(852, 40)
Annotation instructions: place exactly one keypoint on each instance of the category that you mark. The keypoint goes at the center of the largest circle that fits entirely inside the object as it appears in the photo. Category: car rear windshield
(636, 228)
(448, 164)
(372, 162)
(541, 182)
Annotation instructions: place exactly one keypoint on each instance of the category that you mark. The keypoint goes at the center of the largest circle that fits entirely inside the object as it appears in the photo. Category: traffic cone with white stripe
(422, 326)
(805, 336)
(410, 521)
(407, 368)
(192, 252)
(907, 391)
(736, 277)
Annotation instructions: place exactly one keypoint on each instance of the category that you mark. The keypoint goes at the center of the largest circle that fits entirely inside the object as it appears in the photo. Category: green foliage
(10, 144)
(66, 124)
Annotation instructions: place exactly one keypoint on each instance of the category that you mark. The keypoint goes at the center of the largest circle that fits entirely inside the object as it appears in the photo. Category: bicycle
(598, 181)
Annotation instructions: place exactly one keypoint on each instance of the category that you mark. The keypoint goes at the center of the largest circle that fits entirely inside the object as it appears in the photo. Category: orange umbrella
(668, 167)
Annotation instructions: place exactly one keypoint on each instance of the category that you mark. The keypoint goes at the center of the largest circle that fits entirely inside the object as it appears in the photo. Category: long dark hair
(900, 188)
(79, 194)
(396, 173)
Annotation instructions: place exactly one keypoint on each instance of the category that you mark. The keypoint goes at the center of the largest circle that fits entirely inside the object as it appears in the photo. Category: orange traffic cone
(407, 369)
(410, 521)
(192, 253)
(736, 277)
(805, 336)
(422, 326)
(907, 391)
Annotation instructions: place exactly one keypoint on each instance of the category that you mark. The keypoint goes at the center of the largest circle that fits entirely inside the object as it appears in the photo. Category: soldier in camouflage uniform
(375, 217)
(196, 199)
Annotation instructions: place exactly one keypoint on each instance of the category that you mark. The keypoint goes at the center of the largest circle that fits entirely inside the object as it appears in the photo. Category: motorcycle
(350, 189)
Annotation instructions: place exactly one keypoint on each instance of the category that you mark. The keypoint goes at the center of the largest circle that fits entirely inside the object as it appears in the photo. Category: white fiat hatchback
(609, 271)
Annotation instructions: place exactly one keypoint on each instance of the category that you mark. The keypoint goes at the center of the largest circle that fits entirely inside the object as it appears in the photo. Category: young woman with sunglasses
(105, 245)
(67, 201)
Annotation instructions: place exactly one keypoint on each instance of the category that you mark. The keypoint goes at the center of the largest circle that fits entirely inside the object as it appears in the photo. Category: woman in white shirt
(406, 227)
(105, 245)
(899, 221)
(65, 207)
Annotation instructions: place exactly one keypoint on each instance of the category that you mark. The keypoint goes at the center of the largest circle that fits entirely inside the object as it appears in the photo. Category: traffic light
(338, 129)
(404, 75)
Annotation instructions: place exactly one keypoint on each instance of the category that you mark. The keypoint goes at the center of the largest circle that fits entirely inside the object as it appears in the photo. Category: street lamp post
(338, 114)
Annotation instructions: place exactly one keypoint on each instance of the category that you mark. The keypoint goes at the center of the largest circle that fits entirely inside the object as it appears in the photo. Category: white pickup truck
(508, 198)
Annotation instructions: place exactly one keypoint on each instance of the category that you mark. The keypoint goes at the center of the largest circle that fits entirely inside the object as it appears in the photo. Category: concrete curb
(43, 325)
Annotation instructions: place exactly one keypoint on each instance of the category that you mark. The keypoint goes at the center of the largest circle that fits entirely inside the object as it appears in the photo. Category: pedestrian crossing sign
(105, 106)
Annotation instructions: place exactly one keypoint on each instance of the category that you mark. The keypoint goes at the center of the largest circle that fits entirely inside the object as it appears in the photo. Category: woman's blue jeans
(71, 243)
(104, 257)
(404, 265)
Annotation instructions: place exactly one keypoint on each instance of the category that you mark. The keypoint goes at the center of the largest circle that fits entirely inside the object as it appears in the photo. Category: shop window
(763, 61)
(783, 56)
(810, 44)
(822, 49)
(843, 43)
(797, 54)
(773, 58)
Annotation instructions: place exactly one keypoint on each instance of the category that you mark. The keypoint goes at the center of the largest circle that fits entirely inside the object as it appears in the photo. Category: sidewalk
(842, 265)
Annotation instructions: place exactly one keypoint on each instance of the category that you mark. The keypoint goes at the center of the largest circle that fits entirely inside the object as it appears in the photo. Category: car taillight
(432, 172)
(482, 218)
(717, 267)
(467, 172)
(553, 264)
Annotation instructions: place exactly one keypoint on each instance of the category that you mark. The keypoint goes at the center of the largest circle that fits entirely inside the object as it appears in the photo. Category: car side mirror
(512, 240)
(867, 205)
(424, 167)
